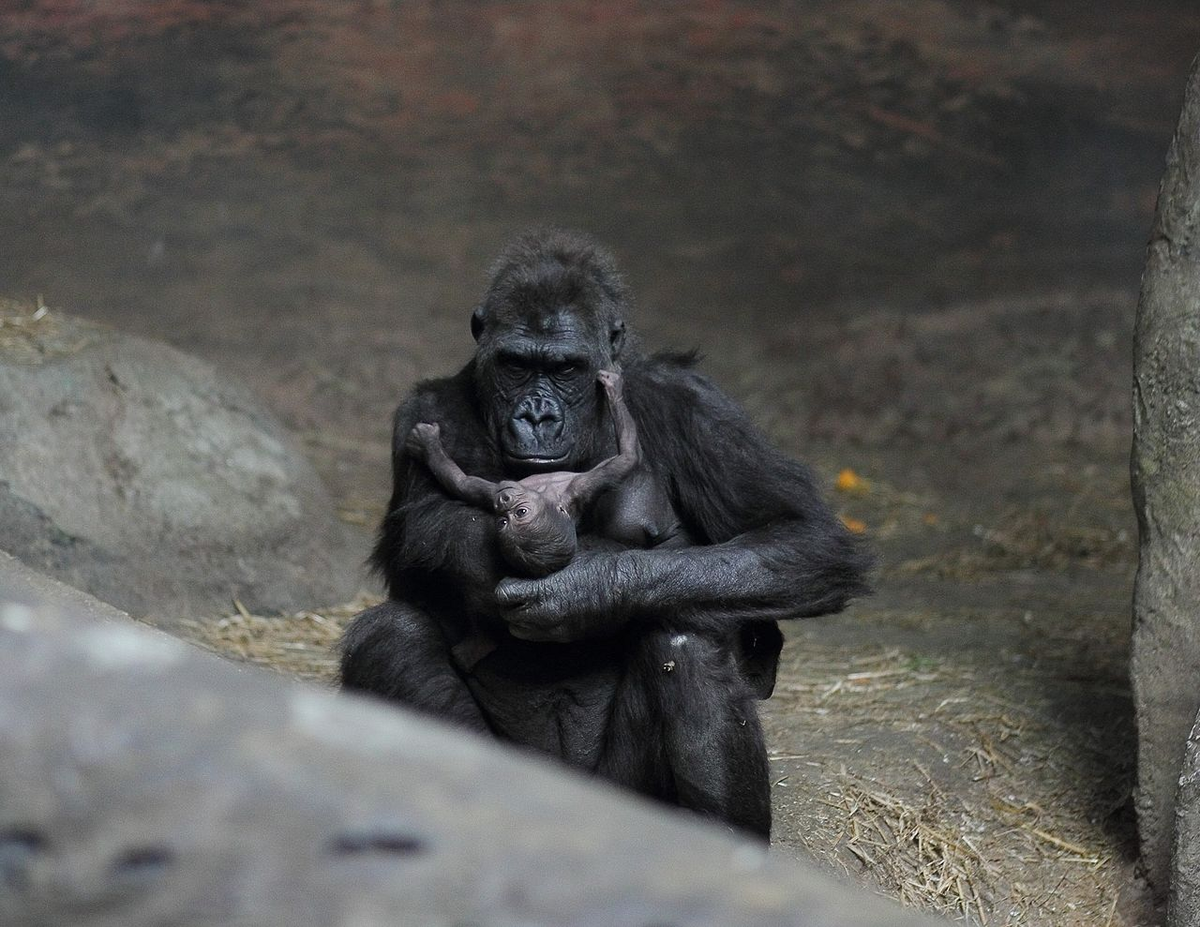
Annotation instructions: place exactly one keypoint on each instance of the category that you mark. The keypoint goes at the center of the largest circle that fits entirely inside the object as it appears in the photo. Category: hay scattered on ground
(910, 848)
(22, 326)
(30, 333)
(301, 645)
(1000, 817)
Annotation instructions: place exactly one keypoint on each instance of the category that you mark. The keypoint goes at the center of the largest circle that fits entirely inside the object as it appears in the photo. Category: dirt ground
(906, 236)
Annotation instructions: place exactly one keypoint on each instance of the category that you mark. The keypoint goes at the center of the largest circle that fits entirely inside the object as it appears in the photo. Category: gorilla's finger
(513, 593)
(536, 632)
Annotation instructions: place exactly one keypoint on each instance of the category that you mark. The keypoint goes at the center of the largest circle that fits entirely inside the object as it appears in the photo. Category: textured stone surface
(1166, 485)
(147, 478)
(1184, 909)
(145, 782)
(19, 583)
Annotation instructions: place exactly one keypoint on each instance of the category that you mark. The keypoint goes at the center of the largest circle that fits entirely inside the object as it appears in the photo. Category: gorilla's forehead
(561, 328)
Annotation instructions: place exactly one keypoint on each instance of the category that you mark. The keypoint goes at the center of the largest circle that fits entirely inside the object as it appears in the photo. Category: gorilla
(537, 515)
(641, 659)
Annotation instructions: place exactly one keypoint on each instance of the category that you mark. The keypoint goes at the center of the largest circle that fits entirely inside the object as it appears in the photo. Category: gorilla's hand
(423, 437)
(586, 598)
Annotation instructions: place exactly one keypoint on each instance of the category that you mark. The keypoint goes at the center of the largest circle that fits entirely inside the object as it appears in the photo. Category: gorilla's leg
(759, 646)
(398, 652)
(685, 729)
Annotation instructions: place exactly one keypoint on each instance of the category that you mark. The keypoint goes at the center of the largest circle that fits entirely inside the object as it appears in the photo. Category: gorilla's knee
(398, 652)
(385, 642)
(687, 660)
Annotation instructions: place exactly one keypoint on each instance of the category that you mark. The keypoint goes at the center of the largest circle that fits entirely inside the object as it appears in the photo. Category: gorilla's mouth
(537, 461)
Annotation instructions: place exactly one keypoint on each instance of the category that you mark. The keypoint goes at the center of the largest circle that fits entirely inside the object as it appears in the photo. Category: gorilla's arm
(431, 545)
(772, 548)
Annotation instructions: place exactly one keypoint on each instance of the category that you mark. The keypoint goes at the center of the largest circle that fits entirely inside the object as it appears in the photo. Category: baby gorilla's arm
(425, 441)
(585, 487)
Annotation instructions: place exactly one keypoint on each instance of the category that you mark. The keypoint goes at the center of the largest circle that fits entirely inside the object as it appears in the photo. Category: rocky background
(907, 236)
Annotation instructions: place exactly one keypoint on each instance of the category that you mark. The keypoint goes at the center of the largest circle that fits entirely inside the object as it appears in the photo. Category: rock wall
(1166, 485)
(1184, 907)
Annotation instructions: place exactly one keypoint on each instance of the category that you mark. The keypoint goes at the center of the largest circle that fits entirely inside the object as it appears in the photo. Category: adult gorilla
(640, 660)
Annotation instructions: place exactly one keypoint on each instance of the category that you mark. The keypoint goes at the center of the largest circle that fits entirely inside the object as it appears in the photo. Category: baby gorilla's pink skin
(537, 513)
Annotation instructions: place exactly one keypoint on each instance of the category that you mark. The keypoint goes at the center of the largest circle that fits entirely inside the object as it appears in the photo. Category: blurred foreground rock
(1166, 486)
(147, 478)
(143, 782)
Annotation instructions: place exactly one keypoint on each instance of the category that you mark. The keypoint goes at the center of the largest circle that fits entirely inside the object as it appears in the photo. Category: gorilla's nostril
(536, 410)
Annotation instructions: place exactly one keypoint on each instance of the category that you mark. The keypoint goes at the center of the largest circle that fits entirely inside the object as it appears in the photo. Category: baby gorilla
(538, 513)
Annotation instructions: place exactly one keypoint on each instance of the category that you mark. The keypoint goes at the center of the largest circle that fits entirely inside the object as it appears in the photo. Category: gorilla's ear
(477, 322)
(616, 338)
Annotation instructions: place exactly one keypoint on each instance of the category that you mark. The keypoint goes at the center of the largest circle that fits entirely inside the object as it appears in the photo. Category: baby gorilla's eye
(522, 512)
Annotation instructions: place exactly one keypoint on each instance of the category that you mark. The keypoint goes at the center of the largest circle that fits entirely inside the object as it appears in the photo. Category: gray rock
(147, 478)
(144, 782)
(1165, 663)
(19, 583)
(1184, 907)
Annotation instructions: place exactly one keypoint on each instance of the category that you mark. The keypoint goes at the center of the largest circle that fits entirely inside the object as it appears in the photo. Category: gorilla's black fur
(642, 658)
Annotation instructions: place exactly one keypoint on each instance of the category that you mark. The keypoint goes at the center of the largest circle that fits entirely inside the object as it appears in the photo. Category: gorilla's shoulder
(442, 393)
(664, 369)
(670, 378)
(674, 360)
(439, 399)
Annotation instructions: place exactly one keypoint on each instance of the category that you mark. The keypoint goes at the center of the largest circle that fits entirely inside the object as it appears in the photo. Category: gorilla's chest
(639, 513)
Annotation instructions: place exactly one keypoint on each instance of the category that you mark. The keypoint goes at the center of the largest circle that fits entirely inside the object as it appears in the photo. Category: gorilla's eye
(568, 367)
(510, 362)
(522, 512)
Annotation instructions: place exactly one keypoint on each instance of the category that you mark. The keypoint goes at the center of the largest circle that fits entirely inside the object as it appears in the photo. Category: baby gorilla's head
(535, 536)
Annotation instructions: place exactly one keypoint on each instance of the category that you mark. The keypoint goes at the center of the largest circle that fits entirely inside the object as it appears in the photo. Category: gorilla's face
(537, 386)
(551, 319)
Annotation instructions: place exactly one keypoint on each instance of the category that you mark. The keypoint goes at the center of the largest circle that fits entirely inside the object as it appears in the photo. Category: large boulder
(20, 583)
(143, 782)
(149, 479)
(1166, 485)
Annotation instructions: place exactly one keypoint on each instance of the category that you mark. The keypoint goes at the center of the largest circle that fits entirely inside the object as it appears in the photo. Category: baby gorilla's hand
(423, 436)
(612, 383)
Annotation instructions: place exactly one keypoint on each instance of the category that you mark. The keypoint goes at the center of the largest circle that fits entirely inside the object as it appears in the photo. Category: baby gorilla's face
(533, 515)
(519, 509)
(536, 536)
